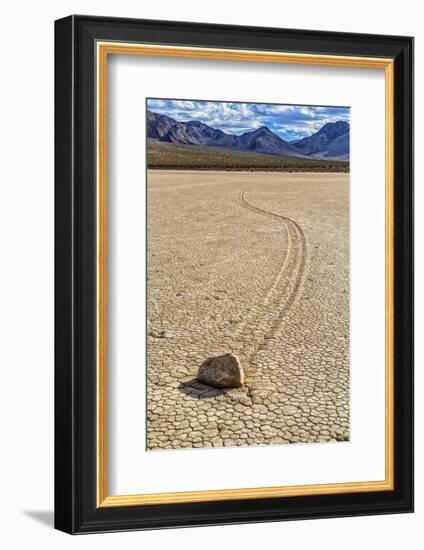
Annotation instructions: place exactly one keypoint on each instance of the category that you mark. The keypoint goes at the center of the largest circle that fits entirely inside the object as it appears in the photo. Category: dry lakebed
(255, 264)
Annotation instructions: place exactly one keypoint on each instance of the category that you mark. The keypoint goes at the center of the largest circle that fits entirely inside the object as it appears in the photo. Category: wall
(26, 289)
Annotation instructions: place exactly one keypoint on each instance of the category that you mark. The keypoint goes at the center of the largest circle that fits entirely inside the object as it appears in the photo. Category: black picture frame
(76, 509)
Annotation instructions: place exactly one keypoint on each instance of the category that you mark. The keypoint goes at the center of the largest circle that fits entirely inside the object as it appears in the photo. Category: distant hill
(265, 141)
(158, 125)
(193, 132)
(330, 142)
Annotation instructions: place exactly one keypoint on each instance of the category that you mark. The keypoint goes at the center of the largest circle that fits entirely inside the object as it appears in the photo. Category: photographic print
(230, 295)
(247, 274)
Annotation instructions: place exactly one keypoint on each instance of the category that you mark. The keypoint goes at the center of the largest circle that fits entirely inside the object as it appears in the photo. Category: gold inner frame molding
(104, 49)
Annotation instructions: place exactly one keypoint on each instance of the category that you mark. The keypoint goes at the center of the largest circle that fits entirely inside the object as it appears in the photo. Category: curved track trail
(264, 319)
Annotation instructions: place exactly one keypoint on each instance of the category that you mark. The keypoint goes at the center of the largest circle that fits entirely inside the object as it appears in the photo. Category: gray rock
(223, 371)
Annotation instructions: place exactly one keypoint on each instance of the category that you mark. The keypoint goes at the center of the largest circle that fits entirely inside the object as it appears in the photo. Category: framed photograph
(234, 271)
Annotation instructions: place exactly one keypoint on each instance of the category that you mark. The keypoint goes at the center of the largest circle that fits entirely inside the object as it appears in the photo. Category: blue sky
(290, 122)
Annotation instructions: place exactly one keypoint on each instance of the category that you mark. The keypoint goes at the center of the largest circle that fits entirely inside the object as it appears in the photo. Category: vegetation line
(167, 156)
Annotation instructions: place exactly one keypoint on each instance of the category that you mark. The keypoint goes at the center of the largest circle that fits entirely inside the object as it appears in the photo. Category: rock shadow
(195, 389)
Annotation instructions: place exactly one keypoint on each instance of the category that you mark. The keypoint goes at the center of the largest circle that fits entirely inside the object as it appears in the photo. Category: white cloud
(289, 121)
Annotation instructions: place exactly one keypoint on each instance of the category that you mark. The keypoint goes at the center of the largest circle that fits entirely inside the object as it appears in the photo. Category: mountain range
(331, 142)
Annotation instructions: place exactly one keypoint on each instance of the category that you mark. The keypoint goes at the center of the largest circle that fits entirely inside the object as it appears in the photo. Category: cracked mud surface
(256, 264)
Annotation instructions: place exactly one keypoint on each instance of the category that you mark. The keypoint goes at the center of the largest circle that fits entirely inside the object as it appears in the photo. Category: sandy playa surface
(256, 264)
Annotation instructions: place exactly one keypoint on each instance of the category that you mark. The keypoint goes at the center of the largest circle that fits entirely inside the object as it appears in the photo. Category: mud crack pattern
(265, 276)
